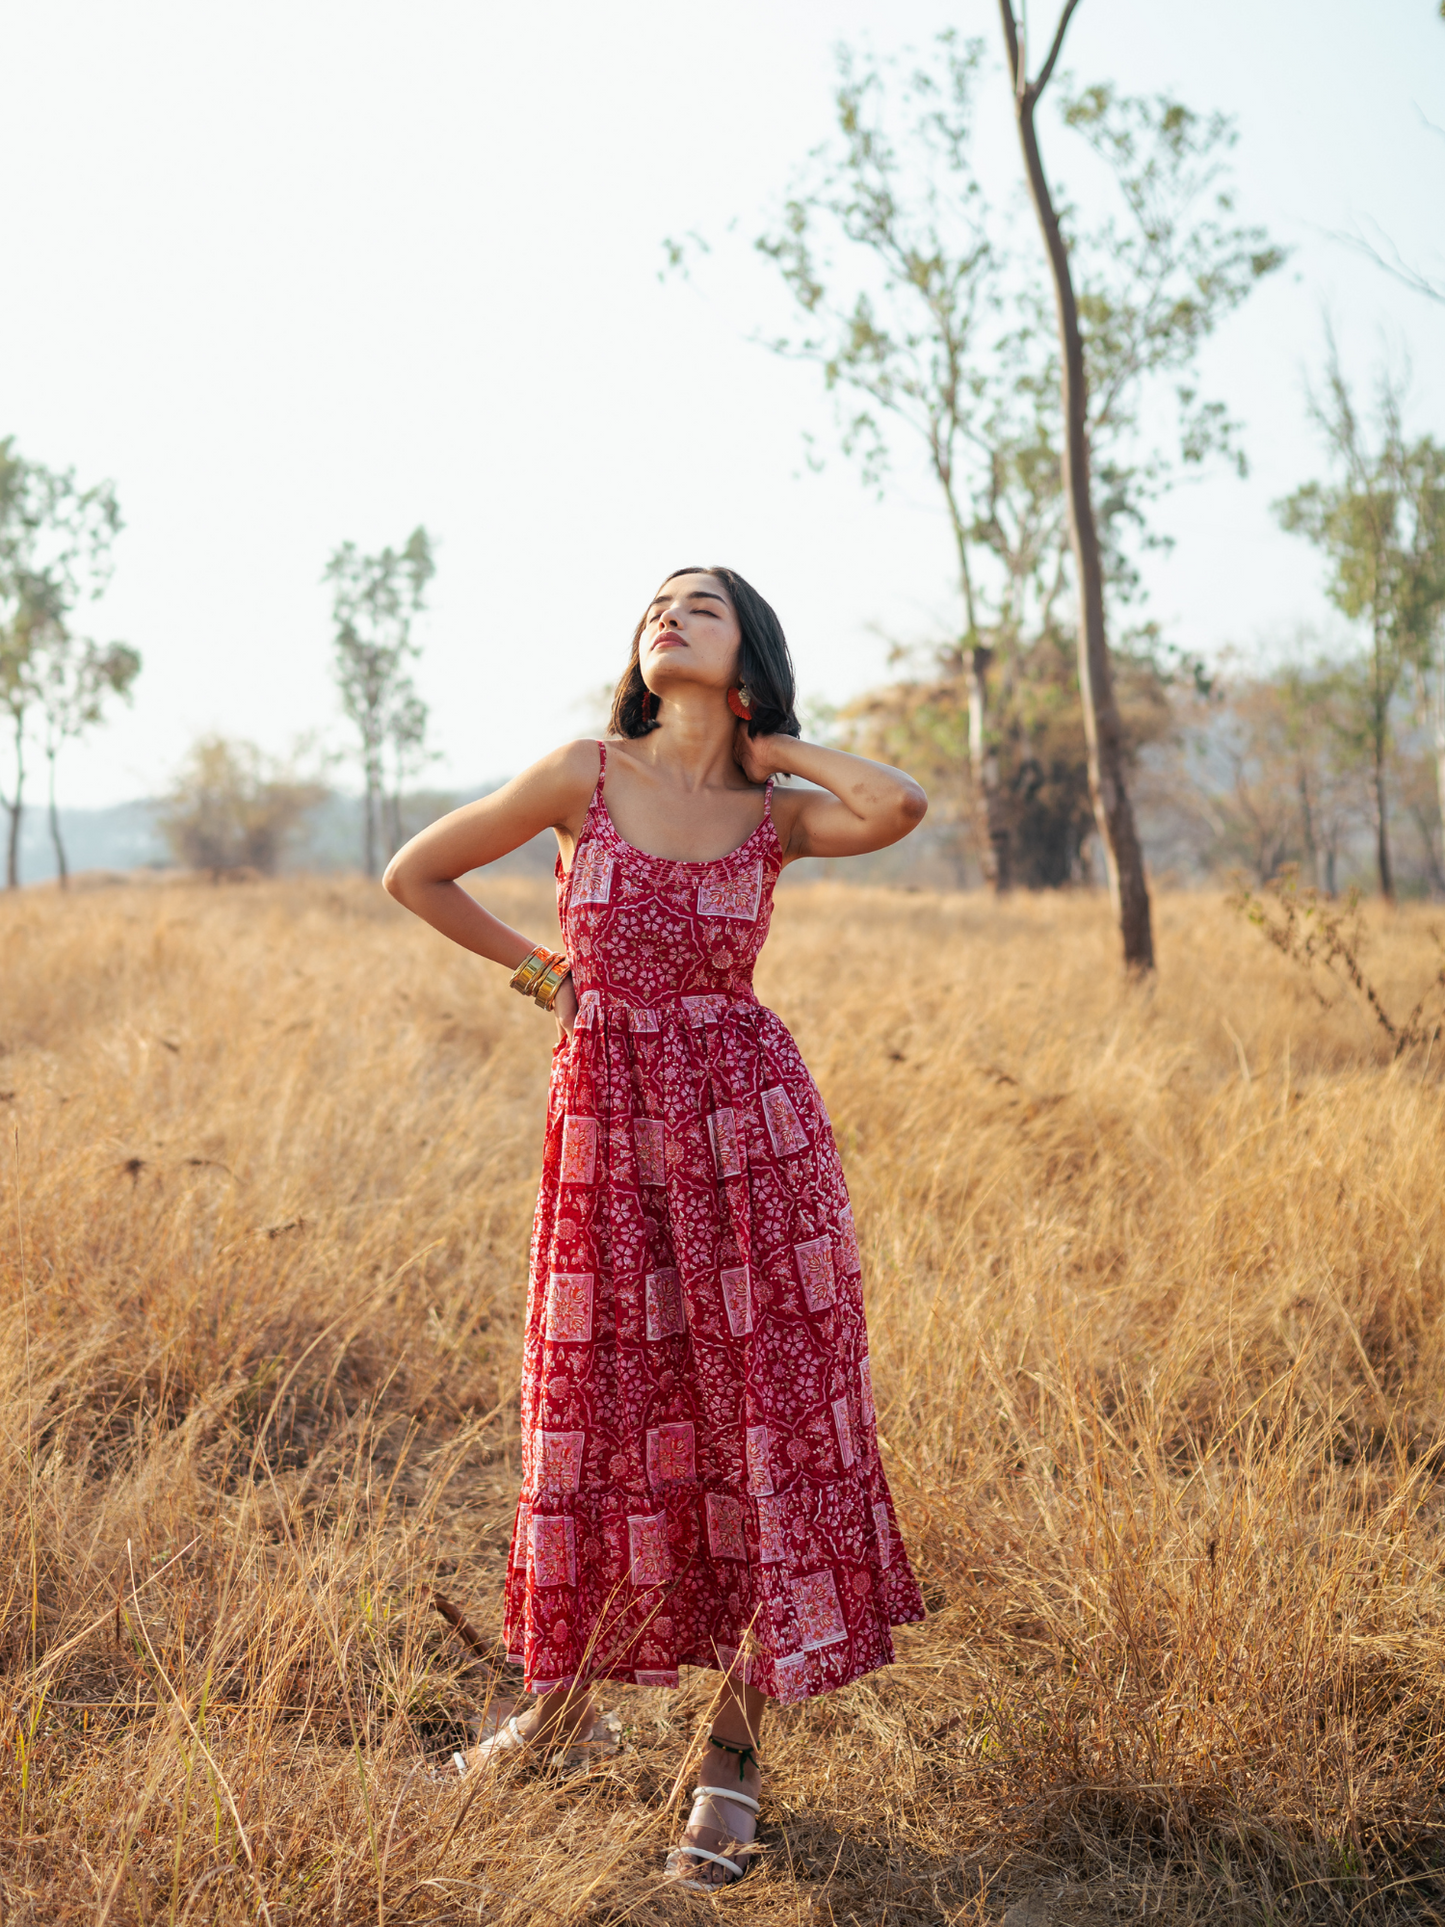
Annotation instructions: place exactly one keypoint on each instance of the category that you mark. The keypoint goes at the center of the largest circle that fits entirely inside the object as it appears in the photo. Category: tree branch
(1011, 41)
(1399, 269)
(1048, 66)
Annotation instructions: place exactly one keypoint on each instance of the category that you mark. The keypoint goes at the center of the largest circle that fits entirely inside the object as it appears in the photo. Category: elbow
(912, 806)
(391, 880)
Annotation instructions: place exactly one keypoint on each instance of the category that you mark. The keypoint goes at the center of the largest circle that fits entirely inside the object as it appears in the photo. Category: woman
(701, 1482)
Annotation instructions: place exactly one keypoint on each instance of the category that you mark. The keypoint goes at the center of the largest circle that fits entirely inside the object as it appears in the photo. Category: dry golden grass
(1156, 1299)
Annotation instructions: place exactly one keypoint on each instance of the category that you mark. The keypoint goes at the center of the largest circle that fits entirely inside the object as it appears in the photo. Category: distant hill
(126, 837)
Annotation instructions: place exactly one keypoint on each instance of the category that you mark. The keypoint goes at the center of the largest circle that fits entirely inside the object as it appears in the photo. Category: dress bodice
(645, 931)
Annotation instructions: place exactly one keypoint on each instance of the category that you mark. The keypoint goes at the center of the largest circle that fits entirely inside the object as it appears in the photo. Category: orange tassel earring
(740, 702)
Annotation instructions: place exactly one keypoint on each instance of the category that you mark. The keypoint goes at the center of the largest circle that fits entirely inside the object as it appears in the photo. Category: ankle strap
(744, 1754)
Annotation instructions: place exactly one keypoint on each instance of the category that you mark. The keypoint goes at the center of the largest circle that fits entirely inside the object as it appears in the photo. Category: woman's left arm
(865, 805)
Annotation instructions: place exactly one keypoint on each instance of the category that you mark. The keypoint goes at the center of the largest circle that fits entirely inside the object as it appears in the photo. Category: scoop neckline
(684, 862)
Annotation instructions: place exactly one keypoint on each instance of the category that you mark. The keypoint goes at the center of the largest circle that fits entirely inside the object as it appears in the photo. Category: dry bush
(1155, 1293)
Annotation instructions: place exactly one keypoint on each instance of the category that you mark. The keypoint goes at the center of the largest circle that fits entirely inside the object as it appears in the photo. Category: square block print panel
(781, 1119)
(760, 1471)
(790, 1673)
(725, 1538)
(665, 1315)
(730, 1660)
(731, 892)
(592, 875)
(651, 1562)
(557, 1461)
(772, 1539)
(649, 1142)
(554, 1552)
(671, 1454)
(885, 1537)
(722, 1130)
(848, 1238)
(820, 1617)
(815, 1272)
(579, 1150)
(569, 1307)
(843, 1426)
(738, 1301)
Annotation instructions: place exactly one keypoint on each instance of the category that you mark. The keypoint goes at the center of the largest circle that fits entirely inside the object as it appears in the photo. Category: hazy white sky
(292, 273)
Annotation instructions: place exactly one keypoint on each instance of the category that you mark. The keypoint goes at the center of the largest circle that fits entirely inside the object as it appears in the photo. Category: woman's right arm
(552, 795)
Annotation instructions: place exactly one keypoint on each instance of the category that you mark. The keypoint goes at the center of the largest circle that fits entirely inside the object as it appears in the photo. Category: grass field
(1155, 1287)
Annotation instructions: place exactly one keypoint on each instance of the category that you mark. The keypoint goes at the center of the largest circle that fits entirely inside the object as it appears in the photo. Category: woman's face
(691, 636)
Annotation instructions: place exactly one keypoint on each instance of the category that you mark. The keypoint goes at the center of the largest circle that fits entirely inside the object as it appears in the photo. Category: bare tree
(75, 678)
(406, 736)
(1103, 729)
(375, 600)
(55, 551)
(924, 317)
(231, 809)
(1380, 521)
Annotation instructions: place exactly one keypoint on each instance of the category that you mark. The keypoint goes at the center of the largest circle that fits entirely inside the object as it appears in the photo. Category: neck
(693, 742)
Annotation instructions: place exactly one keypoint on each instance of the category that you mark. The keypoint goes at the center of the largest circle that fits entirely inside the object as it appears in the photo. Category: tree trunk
(1437, 723)
(1103, 728)
(374, 798)
(1380, 744)
(16, 809)
(61, 869)
(989, 815)
(1307, 824)
(1382, 826)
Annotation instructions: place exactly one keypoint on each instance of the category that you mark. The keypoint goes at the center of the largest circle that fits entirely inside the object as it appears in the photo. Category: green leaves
(914, 292)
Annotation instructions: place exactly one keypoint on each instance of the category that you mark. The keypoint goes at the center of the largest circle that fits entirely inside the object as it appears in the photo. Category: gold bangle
(525, 976)
(544, 991)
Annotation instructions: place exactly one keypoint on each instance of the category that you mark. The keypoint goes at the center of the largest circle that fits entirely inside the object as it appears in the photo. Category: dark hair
(764, 666)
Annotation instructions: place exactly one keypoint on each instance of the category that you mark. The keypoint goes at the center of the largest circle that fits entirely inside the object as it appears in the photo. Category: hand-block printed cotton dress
(701, 1476)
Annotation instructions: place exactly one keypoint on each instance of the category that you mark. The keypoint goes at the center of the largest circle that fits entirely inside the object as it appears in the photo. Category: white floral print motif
(647, 1544)
(722, 1130)
(592, 875)
(701, 1481)
(815, 1272)
(731, 890)
(671, 1453)
(569, 1307)
(737, 1301)
(558, 1462)
(647, 1134)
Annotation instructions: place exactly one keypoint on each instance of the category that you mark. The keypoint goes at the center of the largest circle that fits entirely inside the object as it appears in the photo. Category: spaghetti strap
(768, 799)
(597, 803)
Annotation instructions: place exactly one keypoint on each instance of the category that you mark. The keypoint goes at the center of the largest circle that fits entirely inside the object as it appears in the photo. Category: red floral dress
(701, 1476)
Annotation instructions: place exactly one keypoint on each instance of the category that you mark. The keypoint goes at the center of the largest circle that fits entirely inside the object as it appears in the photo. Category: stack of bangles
(540, 975)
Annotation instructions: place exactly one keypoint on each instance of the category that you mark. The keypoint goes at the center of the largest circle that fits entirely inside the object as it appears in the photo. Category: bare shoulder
(565, 777)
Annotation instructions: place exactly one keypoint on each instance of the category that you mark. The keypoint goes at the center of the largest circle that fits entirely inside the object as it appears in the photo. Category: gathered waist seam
(700, 1007)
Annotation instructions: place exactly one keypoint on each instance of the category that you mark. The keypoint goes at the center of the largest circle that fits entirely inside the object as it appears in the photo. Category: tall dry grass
(1155, 1292)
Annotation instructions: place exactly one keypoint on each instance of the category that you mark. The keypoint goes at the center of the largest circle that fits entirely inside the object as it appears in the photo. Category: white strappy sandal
(703, 1814)
(508, 1738)
(603, 1735)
